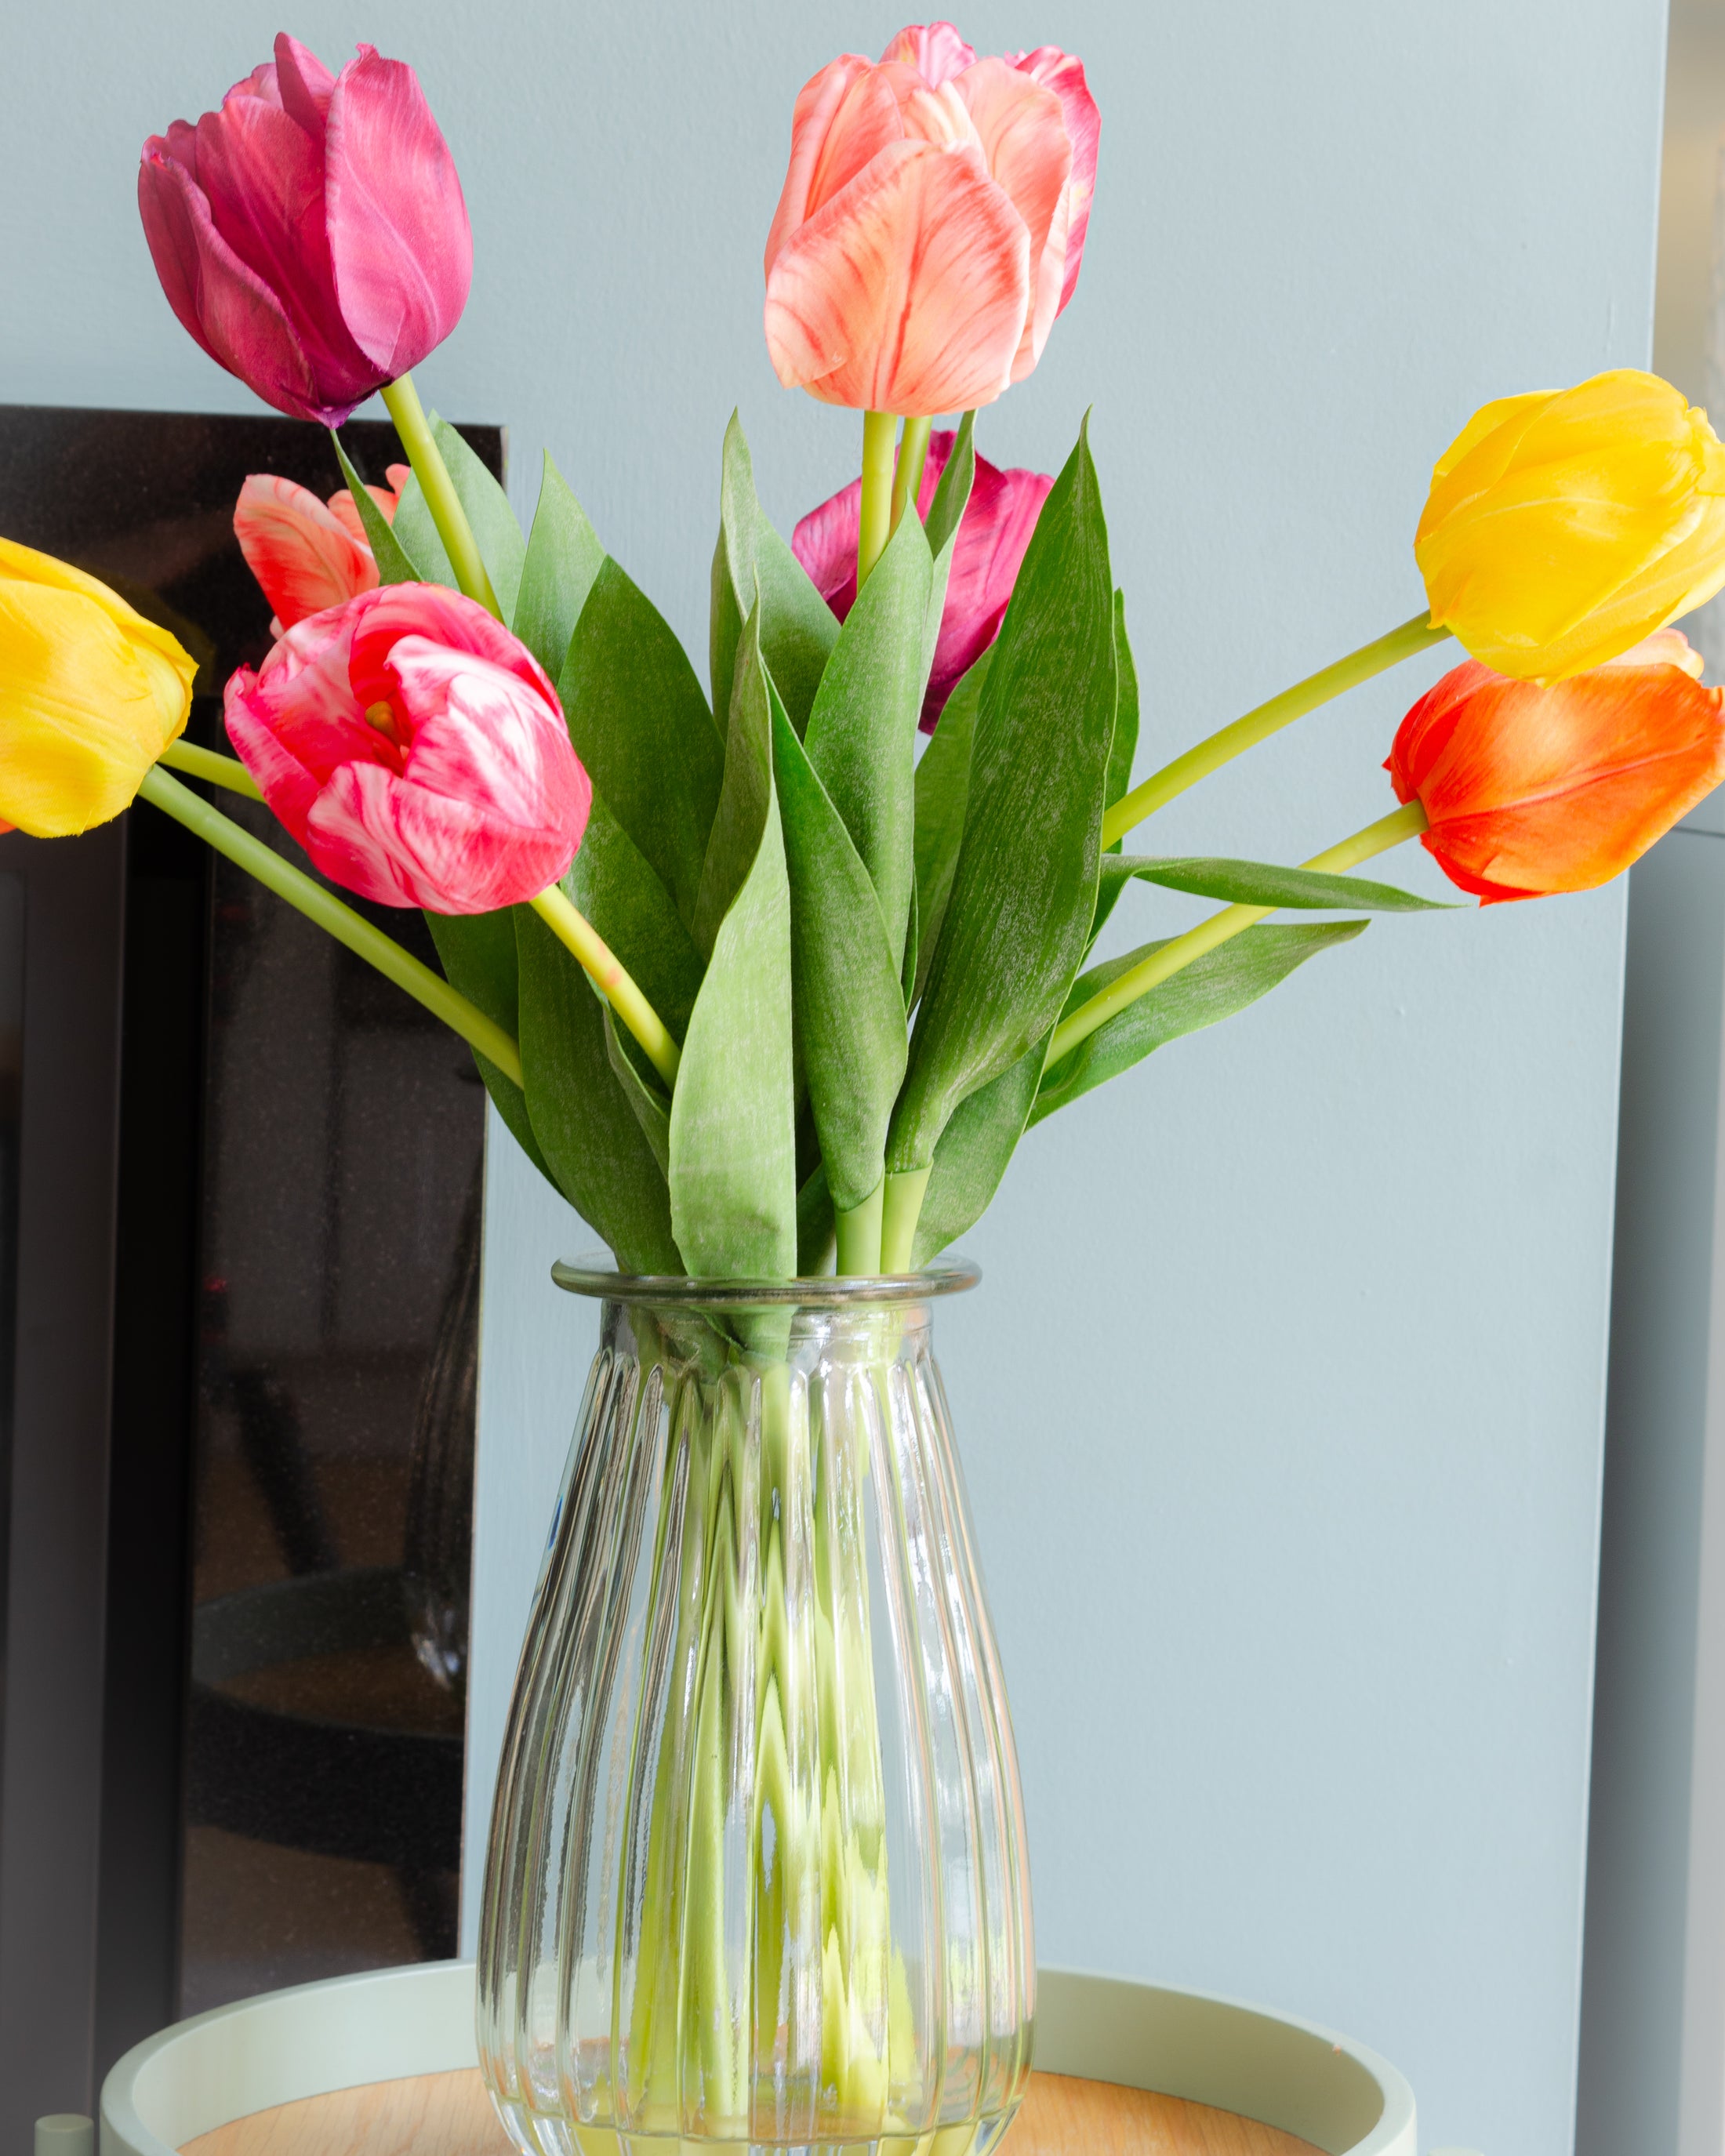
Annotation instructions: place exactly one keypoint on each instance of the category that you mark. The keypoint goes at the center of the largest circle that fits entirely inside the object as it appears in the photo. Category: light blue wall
(1282, 1402)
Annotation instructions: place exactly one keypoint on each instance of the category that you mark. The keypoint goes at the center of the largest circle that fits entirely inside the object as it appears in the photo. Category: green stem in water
(339, 920)
(609, 975)
(214, 770)
(1403, 823)
(912, 456)
(1161, 785)
(901, 1211)
(402, 401)
(860, 1235)
(875, 520)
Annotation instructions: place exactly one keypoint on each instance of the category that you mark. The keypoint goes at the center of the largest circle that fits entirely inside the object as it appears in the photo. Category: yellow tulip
(90, 695)
(1564, 526)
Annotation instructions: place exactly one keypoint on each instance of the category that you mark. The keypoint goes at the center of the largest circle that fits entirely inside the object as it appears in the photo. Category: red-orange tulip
(1529, 790)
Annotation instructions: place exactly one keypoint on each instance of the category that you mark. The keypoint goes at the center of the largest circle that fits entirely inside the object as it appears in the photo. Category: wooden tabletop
(451, 2115)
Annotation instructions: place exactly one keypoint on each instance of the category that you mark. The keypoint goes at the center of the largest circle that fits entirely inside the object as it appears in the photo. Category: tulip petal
(848, 98)
(1063, 73)
(935, 49)
(907, 292)
(1023, 137)
(305, 555)
(400, 243)
(303, 82)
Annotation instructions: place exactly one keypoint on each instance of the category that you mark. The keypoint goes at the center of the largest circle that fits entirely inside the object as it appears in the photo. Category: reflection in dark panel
(12, 1072)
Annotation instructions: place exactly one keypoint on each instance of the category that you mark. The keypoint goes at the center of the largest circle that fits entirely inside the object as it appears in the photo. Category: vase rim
(593, 1273)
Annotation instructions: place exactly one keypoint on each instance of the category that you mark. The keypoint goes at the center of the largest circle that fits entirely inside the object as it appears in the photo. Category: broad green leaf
(1213, 987)
(652, 1109)
(816, 1228)
(946, 512)
(420, 537)
(972, 1154)
(735, 836)
(862, 731)
(500, 544)
(395, 565)
(850, 1005)
(1024, 889)
(478, 954)
(615, 886)
(1126, 712)
(733, 1145)
(599, 1156)
(1262, 883)
(798, 628)
(943, 790)
(563, 558)
(640, 725)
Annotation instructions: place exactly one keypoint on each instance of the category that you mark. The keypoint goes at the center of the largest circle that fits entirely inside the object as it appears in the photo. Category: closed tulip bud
(90, 695)
(415, 750)
(1564, 526)
(931, 224)
(307, 554)
(312, 235)
(999, 520)
(1529, 789)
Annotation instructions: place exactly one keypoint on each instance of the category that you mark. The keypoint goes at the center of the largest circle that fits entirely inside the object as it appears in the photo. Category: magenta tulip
(415, 750)
(312, 235)
(989, 549)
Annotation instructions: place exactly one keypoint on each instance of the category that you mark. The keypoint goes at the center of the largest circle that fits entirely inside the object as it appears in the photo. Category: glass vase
(757, 1871)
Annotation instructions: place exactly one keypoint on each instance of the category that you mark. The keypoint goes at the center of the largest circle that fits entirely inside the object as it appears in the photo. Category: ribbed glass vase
(756, 1872)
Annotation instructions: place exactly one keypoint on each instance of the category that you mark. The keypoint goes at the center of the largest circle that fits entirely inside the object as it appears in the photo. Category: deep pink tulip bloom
(415, 750)
(307, 554)
(997, 523)
(931, 223)
(312, 235)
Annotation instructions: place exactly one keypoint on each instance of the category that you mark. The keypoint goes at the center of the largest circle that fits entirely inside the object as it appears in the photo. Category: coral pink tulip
(1531, 788)
(415, 750)
(997, 523)
(308, 554)
(312, 235)
(931, 223)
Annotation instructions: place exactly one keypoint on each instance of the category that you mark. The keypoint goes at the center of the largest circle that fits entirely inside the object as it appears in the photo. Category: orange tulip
(1529, 790)
(307, 554)
(931, 223)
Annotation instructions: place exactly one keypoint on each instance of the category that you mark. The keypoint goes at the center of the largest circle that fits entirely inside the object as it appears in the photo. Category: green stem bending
(214, 770)
(875, 518)
(859, 1236)
(606, 971)
(912, 456)
(402, 401)
(1390, 830)
(1161, 785)
(301, 890)
(901, 1209)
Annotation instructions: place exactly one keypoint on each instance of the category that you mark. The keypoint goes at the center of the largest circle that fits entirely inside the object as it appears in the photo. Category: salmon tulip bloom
(308, 554)
(1564, 526)
(415, 750)
(312, 235)
(90, 695)
(931, 224)
(987, 555)
(1529, 789)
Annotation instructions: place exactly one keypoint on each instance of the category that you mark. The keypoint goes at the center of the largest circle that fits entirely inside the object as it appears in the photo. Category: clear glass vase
(756, 1872)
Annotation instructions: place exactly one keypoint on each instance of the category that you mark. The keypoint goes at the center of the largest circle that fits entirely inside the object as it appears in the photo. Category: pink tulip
(312, 235)
(307, 554)
(997, 523)
(931, 224)
(415, 750)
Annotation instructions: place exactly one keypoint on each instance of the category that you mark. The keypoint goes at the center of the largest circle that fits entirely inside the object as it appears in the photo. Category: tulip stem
(1404, 823)
(875, 518)
(901, 1210)
(608, 974)
(402, 401)
(1161, 785)
(858, 1232)
(481, 1033)
(214, 770)
(912, 456)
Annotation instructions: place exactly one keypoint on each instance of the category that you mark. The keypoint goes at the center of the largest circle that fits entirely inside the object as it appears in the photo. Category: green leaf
(1262, 883)
(798, 628)
(394, 564)
(588, 1131)
(913, 950)
(972, 1154)
(640, 725)
(743, 798)
(652, 1109)
(850, 999)
(862, 731)
(564, 556)
(816, 1228)
(733, 1147)
(616, 887)
(946, 512)
(943, 792)
(1126, 712)
(1024, 889)
(416, 532)
(500, 544)
(1212, 987)
(478, 954)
